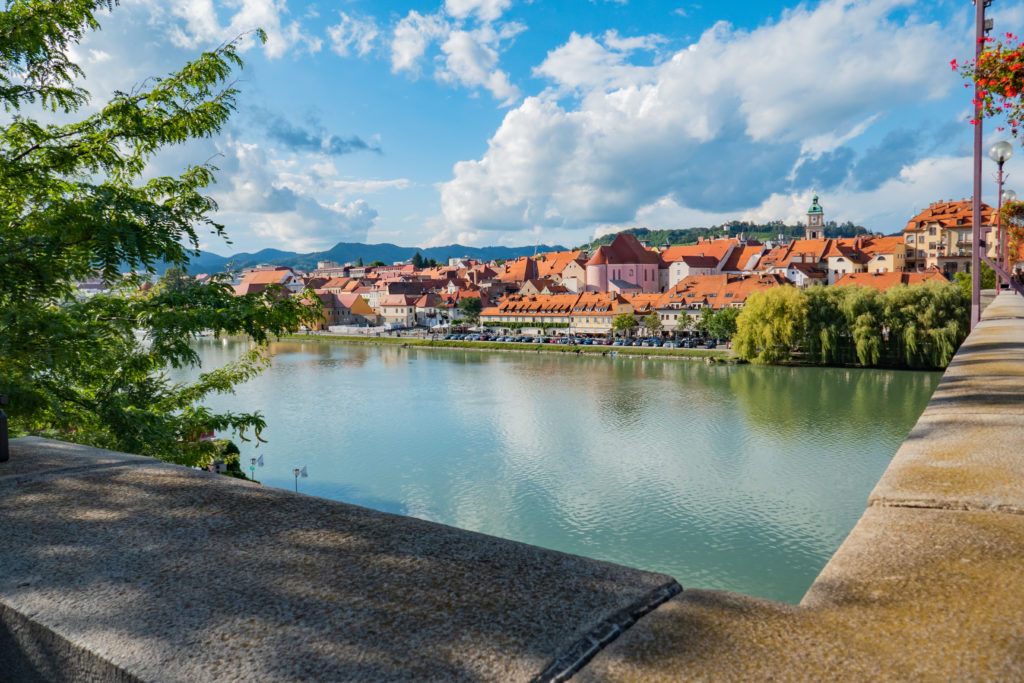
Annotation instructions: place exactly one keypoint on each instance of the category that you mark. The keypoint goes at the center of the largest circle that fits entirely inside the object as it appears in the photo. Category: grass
(513, 346)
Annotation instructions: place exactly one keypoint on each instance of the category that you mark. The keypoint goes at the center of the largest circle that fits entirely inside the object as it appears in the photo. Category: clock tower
(815, 221)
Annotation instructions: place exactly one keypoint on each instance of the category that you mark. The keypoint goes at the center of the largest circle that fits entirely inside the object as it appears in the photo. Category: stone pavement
(118, 567)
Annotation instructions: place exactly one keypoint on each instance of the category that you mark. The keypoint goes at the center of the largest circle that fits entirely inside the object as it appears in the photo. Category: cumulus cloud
(884, 208)
(197, 25)
(486, 10)
(469, 40)
(289, 210)
(353, 35)
(411, 37)
(720, 126)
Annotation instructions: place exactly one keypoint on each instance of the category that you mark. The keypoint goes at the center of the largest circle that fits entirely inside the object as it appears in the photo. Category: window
(931, 231)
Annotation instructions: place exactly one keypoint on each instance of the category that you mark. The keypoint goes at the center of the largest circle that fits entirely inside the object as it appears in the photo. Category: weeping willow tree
(826, 328)
(926, 323)
(862, 307)
(920, 326)
(771, 324)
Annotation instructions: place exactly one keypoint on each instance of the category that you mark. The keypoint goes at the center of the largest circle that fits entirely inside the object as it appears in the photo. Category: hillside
(763, 232)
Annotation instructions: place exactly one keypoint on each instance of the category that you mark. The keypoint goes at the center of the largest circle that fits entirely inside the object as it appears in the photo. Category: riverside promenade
(118, 567)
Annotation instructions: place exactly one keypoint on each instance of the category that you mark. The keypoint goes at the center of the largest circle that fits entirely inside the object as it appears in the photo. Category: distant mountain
(345, 252)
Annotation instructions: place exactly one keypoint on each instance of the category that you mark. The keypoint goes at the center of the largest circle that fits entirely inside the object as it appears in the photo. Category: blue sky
(492, 122)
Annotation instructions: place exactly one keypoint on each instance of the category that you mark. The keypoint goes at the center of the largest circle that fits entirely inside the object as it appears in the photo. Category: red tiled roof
(625, 248)
(950, 214)
(883, 281)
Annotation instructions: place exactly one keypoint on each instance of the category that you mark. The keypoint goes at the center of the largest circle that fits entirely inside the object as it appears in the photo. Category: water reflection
(742, 478)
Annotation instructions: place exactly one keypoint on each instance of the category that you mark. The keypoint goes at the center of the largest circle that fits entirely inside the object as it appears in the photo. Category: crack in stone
(958, 506)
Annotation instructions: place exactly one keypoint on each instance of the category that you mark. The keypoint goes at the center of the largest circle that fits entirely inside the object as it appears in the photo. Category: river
(741, 478)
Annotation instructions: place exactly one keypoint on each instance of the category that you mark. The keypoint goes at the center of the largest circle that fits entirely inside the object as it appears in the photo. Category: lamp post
(1000, 152)
(981, 27)
(1006, 196)
(299, 472)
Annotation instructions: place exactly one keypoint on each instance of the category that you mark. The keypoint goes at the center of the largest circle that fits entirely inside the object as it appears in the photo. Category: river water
(741, 478)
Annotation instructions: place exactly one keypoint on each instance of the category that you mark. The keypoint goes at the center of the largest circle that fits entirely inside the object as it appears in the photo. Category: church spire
(815, 229)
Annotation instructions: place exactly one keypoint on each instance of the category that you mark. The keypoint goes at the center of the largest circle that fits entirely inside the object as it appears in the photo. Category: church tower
(815, 221)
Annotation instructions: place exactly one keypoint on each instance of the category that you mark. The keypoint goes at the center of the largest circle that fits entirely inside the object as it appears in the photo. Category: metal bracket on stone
(595, 640)
(5, 452)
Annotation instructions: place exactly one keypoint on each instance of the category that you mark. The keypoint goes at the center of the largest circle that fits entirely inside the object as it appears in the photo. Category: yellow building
(940, 236)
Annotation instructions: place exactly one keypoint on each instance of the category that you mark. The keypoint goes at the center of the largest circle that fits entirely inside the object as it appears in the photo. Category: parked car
(617, 342)
(711, 344)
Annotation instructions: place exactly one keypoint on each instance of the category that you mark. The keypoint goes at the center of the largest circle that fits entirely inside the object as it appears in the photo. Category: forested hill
(763, 232)
(345, 252)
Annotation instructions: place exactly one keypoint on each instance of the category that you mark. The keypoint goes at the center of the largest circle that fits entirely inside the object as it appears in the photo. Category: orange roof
(950, 214)
(716, 249)
(554, 262)
(599, 302)
(873, 246)
(883, 281)
(720, 291)
(266, 277)
(520, 270)
(740, 258)
(625, 248)
(647, 302)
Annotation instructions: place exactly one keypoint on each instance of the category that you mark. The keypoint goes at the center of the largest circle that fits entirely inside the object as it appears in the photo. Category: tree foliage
(720, 324)
(771, 324)
(653, 322)
(74, 205)
(919, 326)
(624, 322)
(470, 306)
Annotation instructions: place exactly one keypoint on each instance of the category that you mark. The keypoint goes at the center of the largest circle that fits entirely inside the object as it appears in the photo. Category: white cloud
(411, 37)
(583, 63)
(715, 129)
(352, 35)
(486, 10)
(470, 60)
(884, 209)
(202, 26)
(468, 55)
(616, 42)
(291, 209)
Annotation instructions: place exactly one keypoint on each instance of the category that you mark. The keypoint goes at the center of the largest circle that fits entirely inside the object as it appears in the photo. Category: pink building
(624, 267)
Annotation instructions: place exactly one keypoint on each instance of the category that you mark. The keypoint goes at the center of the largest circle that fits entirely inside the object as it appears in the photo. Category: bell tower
(815, 221)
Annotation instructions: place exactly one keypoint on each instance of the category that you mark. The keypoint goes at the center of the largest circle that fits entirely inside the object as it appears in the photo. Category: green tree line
(760, 231)
(920, 326)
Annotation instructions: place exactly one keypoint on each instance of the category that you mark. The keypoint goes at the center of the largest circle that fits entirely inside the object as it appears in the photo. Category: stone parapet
(118, 567)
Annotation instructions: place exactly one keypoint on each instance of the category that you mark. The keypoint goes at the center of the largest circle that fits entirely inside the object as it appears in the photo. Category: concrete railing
(118, 567)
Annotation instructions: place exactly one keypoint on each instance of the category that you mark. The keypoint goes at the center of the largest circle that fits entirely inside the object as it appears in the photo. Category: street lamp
(1000, 152)
(299, 473)
(1007, 196)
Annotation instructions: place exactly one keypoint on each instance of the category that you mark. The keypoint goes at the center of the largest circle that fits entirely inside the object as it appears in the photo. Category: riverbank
(516, 347)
